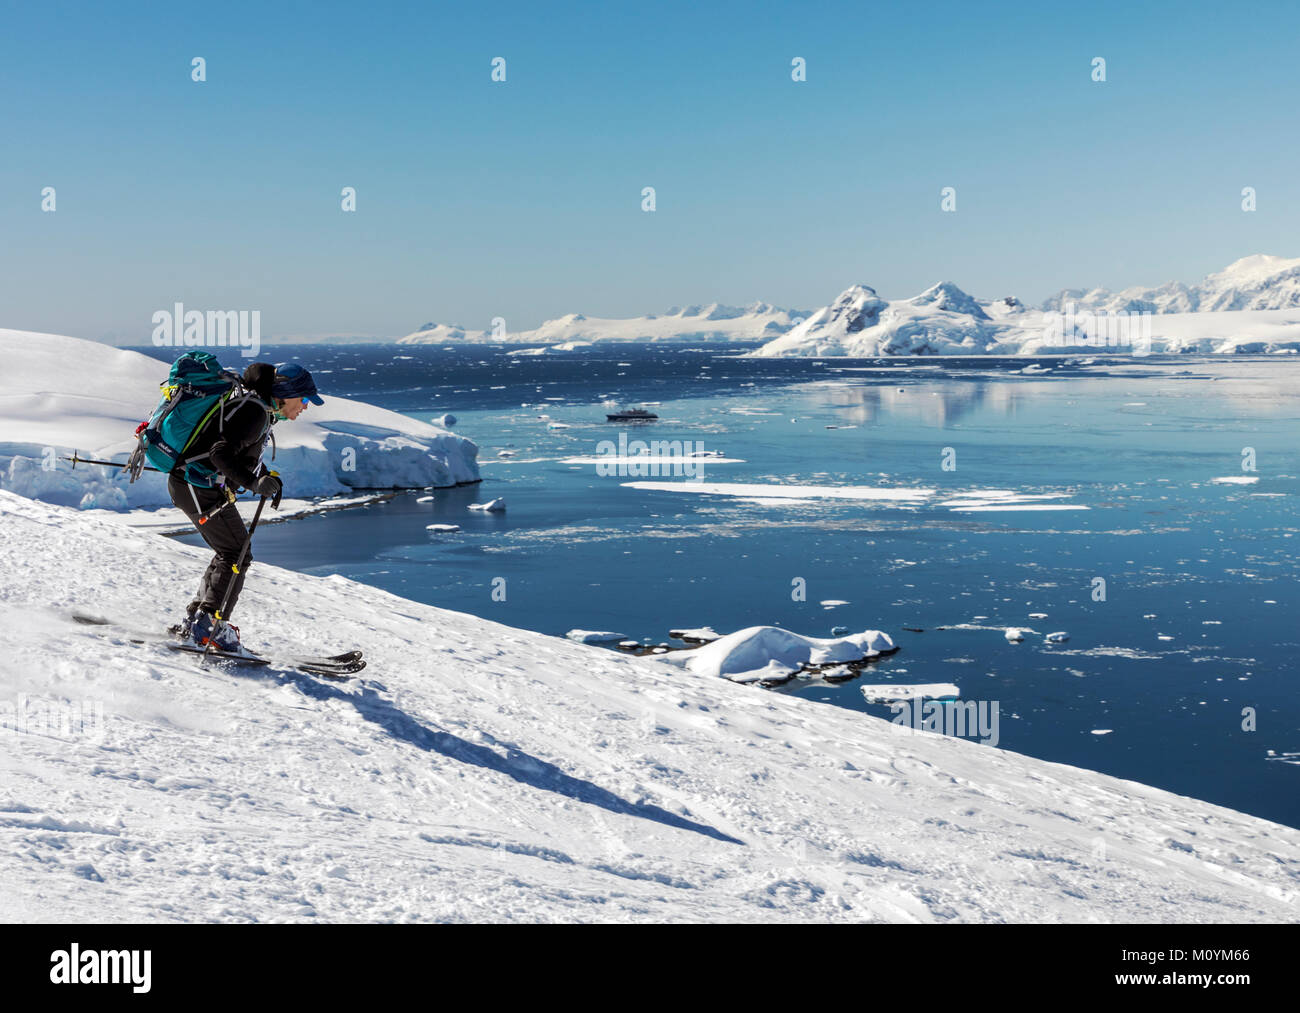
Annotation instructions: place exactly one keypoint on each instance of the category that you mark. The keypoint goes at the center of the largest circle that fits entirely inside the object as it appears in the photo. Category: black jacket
(233, 440)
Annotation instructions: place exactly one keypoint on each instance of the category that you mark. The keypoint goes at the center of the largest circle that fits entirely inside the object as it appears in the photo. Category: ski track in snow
(479, 773)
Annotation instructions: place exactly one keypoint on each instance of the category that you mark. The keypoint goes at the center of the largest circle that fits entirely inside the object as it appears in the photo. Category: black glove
(269, 485)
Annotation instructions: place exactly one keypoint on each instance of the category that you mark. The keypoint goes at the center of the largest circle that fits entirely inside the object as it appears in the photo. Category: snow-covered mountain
(942, 320)
(436, 334)
(713, 322)
(1259, 282)
(945, 320)
(59, 394)
(1253, 306)
(475, 772)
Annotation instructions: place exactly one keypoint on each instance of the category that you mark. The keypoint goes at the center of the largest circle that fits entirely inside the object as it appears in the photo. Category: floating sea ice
(1037, 615)
(839, 631)
(447, 421)
(832, 602)
(763, 653)
(887, 693)
(1102, 731)
(495, 506)
(1015, 635)
(1059, 637)
(442, 527)
(594, 636)
(425, 499)
(701, 635)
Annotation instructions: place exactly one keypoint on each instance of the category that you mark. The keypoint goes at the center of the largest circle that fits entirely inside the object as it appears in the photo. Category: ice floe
(762, 653)
(886, 693)
(594, 636)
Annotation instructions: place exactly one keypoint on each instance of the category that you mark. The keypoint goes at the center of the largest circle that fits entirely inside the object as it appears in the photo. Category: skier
(233, 442)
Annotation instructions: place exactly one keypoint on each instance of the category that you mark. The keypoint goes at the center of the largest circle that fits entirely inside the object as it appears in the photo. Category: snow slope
(65, 393)
(477, 772)
(714, 322)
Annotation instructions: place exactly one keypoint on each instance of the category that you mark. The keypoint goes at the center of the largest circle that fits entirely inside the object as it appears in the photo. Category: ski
(338, 671)
(339, 667)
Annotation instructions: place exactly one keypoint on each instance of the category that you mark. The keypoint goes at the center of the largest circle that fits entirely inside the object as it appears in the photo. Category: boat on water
(631, 415)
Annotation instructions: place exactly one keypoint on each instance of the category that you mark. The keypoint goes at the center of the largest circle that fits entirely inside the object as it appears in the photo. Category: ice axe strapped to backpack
(197, 391)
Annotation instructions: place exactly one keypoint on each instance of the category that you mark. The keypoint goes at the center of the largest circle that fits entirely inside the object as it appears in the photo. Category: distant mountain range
(713, 322)
(1261, 282)
(1252, 305)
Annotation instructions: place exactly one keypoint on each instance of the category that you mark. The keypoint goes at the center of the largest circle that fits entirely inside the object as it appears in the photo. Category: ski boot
(183, 630)
(207, 628)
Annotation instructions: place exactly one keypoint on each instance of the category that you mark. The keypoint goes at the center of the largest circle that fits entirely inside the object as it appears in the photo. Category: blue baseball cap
(291, 381)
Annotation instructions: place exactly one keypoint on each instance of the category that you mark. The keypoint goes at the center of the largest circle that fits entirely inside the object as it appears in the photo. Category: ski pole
(220, 614)
(203, 518)
(107, 464)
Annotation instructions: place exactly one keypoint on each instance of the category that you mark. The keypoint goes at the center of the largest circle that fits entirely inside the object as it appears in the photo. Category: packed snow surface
(59, 394)
(476, 772)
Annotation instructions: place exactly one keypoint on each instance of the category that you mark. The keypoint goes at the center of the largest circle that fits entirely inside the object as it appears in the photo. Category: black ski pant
(226, 535)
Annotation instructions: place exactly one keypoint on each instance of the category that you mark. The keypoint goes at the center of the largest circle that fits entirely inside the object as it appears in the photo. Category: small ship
(631, 415)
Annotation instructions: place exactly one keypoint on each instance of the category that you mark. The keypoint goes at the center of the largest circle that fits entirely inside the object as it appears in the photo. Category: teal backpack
(196, 391)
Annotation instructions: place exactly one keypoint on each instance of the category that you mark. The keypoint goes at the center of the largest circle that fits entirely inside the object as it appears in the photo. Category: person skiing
(232, 443)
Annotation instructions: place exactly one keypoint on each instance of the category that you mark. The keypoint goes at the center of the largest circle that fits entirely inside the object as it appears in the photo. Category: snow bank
(479, 773)
(59, 394)
(769, 652)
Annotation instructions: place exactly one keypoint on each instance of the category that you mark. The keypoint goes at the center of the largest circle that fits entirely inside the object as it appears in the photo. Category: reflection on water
(935, 403)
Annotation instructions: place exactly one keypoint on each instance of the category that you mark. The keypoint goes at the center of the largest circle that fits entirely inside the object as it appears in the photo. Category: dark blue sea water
(1196, 635)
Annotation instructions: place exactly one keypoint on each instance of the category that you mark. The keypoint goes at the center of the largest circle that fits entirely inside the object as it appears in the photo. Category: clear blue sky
(522, 199)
